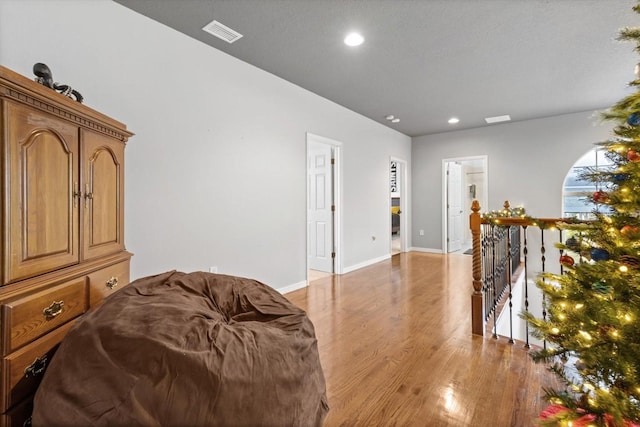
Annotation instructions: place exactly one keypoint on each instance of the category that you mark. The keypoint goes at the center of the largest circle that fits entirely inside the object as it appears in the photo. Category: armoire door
(103, 195)
(43, 186)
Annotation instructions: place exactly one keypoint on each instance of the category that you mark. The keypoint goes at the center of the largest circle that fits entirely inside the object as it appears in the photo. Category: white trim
(294, 287)
(324, 139)
(337, 196)
(428, 250)
(485, 159)
(365, 264)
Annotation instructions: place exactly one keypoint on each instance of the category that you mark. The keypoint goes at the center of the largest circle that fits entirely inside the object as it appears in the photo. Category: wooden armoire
(62, 251)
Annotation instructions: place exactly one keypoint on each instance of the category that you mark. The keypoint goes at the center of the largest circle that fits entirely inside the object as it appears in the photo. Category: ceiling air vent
(222, 31)
(498, 119)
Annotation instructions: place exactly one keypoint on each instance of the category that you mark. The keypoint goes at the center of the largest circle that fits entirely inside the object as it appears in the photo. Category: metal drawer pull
(76, 194)
(88, 195)
(37, 367)
(53, 310)
(112, 283)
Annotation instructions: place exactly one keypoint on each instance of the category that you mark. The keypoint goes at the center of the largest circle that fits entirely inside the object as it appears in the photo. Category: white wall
(527, 164)
(215, 174)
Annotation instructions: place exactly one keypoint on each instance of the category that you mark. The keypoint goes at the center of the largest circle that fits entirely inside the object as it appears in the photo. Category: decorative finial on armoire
(45, 77)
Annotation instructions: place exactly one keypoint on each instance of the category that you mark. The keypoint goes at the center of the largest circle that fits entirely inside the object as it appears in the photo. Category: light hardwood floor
(396, 347)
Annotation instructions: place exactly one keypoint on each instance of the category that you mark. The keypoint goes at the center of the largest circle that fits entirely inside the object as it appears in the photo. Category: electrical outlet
(213, 269)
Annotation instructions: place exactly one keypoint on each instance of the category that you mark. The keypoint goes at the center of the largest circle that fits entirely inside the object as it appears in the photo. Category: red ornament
(601, 197)
(633, 156)
(629, 229)
(566, 260)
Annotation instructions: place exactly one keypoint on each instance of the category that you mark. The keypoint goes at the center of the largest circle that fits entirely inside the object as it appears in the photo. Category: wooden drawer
(20, 416)
(32, 316)
(103, 283)
(22, 370)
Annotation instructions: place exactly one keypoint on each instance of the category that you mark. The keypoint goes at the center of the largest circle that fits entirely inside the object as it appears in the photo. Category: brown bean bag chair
(180, 349)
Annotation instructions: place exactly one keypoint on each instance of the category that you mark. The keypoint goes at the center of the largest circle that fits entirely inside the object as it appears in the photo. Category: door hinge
(333, 208)
(333, 254)
(333, 161)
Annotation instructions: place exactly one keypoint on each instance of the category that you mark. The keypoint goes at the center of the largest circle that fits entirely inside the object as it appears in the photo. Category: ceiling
(425, 61)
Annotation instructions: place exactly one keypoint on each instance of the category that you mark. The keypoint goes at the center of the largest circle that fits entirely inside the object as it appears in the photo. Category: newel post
(477, 306)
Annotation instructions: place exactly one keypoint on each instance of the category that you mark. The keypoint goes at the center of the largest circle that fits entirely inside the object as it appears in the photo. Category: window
(577, 192)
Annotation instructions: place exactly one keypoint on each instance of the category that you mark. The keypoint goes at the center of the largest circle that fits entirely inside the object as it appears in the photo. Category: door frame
(445, 188)
(455, 175)
(404, 223)
(337, 199)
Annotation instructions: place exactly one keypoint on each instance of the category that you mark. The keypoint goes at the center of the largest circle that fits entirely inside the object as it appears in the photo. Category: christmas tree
(592, 326)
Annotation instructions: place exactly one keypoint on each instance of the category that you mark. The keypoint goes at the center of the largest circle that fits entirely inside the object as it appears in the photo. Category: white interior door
(454, 207)
(320, 213)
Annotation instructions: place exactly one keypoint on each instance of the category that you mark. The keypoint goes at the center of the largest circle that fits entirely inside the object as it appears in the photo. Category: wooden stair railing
(477, 303)
(483, 234)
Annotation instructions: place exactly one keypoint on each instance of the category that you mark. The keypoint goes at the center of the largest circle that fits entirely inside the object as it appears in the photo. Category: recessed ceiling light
(390, 117)
(396, 120)
(454, 120)
(498, 119)
(353, 39)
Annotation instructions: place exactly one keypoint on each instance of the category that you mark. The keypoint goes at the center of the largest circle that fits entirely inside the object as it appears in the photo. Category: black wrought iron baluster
(525, 251)
(544, 304)
(495, 270)
(499, 270)
(504, 262)
(509, 265)
(515, 247)
(561, 253)
(483, 255)
(489, 267)
(484, 274)
(486, 266)
(498, 262)
(579, 247)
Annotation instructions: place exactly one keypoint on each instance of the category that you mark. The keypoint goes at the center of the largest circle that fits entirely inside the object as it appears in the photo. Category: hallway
(397, 350)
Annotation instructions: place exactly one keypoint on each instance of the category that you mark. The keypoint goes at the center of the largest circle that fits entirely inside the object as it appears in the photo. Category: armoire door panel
(103, 163)
(43, 173)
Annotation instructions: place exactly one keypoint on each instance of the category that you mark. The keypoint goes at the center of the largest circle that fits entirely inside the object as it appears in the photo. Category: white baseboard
(365, 264)
(429, 250)
(349, 269)
(294, 287)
